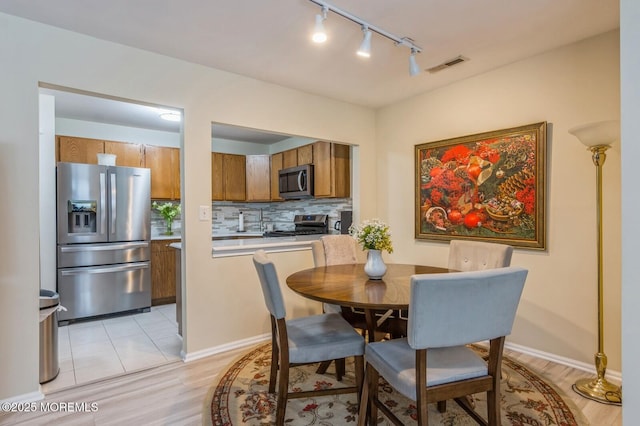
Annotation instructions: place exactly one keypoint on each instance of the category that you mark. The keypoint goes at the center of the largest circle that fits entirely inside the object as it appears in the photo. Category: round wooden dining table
(349, 285)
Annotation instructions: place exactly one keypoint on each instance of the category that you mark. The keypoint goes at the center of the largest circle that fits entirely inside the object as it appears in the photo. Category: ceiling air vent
(448, 64)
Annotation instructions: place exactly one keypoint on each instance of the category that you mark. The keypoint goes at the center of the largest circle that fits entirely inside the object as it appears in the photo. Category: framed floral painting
(489, 186)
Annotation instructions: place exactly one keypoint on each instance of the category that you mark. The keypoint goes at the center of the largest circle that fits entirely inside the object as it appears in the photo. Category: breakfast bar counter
(247, 246)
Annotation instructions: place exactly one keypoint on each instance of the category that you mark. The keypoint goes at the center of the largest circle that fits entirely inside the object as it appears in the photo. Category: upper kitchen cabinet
(127, 154)
(79, 150)
(217, 178)
(228, 177)
(332, 170)
(289, 158)
(305, 155)
(331, 165)
(276, 166)
(258, 183)
(72, 149)
(164, 163)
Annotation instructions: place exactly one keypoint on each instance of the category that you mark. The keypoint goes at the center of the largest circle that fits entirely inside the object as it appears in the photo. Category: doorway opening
(76, 126)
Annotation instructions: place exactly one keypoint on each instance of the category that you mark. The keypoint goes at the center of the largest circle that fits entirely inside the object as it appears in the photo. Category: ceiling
(270, 40)
(81, 106)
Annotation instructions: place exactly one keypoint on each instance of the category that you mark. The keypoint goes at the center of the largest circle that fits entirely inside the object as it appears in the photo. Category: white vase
(375, 267)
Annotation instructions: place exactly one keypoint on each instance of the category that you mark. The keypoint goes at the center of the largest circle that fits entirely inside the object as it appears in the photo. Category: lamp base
(600, 390)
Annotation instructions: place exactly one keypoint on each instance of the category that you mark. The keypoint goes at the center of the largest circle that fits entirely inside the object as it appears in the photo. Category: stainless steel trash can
(49, 367)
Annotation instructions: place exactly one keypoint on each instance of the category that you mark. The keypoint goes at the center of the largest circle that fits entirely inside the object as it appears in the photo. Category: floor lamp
(598, 138)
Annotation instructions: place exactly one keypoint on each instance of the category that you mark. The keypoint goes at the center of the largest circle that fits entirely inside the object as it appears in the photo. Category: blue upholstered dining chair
(304, 340)
(433, 363)
(467, 256)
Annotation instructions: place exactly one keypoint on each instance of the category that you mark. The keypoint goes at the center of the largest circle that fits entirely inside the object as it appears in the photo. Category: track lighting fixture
(365, 46)
(320, 35)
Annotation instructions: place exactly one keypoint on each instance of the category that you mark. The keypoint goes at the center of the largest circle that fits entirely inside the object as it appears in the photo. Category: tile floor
(88, 351)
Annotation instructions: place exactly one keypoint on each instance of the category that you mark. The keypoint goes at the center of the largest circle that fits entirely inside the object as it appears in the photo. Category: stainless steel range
(305, 224)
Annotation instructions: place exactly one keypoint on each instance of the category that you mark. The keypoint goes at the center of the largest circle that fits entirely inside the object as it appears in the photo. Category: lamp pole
(599, 389)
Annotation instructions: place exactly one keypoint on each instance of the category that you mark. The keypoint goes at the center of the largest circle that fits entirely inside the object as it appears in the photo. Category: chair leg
(363, 398)
(493, 407)
(322, 368)
(374, 377)
(283, 388)
(421, 387)
(340, 368)
(273, 371)
(359, 367)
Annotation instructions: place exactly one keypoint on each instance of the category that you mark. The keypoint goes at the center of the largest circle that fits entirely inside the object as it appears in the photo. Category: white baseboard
(238, 344)
(612, 375)
(27, 397)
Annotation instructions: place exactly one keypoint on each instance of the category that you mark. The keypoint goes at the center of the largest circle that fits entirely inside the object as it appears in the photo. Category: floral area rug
(241, 398)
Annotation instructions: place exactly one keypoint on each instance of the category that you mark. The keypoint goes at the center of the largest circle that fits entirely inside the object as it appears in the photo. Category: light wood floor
(174, 394)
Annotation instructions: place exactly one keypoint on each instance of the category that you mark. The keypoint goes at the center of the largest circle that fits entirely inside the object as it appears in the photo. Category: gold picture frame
(488, 186)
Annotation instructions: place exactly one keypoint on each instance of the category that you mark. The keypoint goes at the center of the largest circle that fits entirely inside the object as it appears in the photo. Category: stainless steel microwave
(296, 182)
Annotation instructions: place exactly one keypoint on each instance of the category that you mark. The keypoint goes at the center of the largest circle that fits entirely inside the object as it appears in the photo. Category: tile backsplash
(159, 226)
(279, 214)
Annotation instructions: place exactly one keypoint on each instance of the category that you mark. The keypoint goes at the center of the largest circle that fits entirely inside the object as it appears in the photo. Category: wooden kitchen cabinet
(127, 154)
(257, 177)
(72, 149)
(235, 177)
(163, 272)
(289, 158)
(305, 154)
(276, 166)
(331, 170)
(164, 163)
(79, 150)
(228, 177)
(217, 179)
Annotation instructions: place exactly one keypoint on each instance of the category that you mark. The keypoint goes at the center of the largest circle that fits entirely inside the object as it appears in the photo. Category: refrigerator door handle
(113, 202)
(109, 247)
(103, 202)
(104, 270)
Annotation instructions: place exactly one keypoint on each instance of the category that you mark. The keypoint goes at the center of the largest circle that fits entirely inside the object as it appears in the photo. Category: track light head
(365, 46)
(414, 69)
(319, 33)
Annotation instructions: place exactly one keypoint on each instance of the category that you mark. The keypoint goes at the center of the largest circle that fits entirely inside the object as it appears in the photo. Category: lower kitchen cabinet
(163, 272)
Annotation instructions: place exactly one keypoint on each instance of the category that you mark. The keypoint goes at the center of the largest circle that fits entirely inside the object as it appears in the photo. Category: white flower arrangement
(372, 235)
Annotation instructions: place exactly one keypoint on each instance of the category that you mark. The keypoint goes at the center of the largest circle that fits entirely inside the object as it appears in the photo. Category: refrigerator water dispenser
(82, 216)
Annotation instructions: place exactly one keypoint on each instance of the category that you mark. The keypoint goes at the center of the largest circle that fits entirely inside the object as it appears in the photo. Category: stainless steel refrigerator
(103, 228)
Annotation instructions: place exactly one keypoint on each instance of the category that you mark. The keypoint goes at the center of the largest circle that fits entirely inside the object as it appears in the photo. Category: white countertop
(237, 234)
(247, 246)
(175, 236)
(178, 235)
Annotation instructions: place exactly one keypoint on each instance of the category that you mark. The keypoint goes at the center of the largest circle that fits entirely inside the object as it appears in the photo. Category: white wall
(49, 55)
(48, 193)
(112, 132)
(630, 85)
(566, 87)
